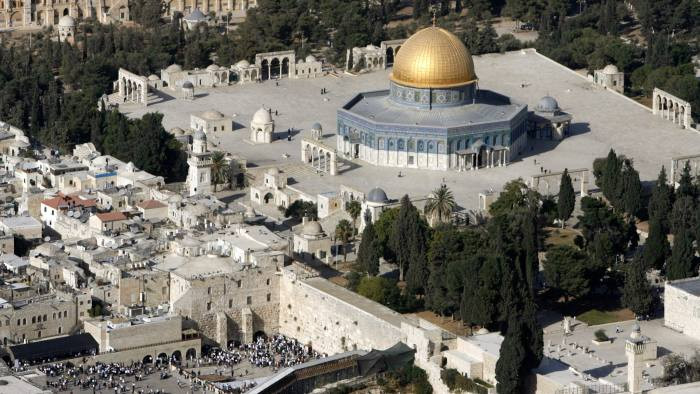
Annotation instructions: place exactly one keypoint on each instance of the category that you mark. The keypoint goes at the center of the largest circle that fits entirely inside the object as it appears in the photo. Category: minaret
(634, 348)
(199, 162)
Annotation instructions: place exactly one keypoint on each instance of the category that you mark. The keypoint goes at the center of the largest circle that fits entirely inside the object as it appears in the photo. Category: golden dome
(433, 58)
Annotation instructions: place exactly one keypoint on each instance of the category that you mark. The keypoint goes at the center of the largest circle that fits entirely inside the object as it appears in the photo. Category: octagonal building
(433, 116)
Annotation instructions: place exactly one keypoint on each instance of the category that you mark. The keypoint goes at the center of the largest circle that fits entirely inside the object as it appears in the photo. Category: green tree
(374, 288)
(637, 293)
(656, 248)
(384, 228)
(612, 181)
(631, 191)
(408, 243)
(301, 209)
(353, 208)
(686, 187)
(219, 169)
(683, 214)
(511, 359)
(343, 232)
(683, 263)
(567, 198)
(368, 252)
(440, 205)
(661, 201)
(515, 195)
(565, 270)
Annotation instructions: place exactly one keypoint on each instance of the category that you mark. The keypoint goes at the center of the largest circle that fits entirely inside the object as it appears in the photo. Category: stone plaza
(602, 119)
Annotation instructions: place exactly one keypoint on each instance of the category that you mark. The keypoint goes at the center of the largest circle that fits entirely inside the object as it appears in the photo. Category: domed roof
(200, 135)
(310, 58)
(316, 126)
(611, 69)
(433, 57)
(66, 21)
(212, 114)
(195, 16)
(547, 104)
(153, 77)
(173, 68)
(482, 331)
(262, 116)
(273, 171)
(243, 63)
(370, 47)
(187, 85)
(312, 228)
(212, 67)
(377, 195)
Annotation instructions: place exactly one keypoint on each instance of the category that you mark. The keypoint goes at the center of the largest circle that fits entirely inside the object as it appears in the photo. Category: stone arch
(176, 357)
(268, 198)
(162, 358)
(191, 354)
(66, 11)
(284, 68)
(400, 144)
(411, 145)
(148, 359)
(265, 70)
(389, 56)
(275, 68)
(307, 153)
(328, 162)
(259, 334)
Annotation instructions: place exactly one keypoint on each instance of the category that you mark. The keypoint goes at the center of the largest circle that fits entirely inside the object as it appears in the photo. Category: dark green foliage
(656, 249)
(599, 218)
(686, 187)
(567, 198)
(631, 201)
(637, 293)
(408, 240)
(565, 270)
(680, 370)
(683, 263)
(601, 336)
(683, 214)
(661, 201)
(457, 382)
(383, 227)
(369, 251)
(146, 12)
(300, 209)
(414, 376)
(510, 361)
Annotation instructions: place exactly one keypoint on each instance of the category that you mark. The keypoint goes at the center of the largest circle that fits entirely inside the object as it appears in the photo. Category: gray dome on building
(310, 58)
(547, 104)
(262, 116)
(243, 64)
(153, 77)
(312, 228)
(66, 21)
(316, 126)
(200, 135)
(377, 195)
(611, 69)
(187, 85)
(195, 16)
(212, 67)
(212, 114)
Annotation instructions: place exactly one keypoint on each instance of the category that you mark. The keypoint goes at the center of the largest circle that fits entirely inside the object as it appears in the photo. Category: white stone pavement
(601, 120)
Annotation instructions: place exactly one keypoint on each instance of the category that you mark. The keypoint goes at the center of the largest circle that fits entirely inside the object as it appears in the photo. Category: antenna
(434, 16)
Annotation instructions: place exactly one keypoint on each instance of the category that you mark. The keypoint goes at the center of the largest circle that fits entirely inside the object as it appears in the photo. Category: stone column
(246, 326)
(584, 190)
(334, 165)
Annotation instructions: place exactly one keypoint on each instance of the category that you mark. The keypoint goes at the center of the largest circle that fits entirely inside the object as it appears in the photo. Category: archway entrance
(275, 68)
(176, 357)
(389, 56)
(259, 334)
(191, 354)
(481, 160)
(265, 70)
(148, 359)
(162, 358)
(285, 67)
(269, 198)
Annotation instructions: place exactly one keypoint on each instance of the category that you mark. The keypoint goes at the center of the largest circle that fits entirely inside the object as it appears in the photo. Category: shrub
(601, 336)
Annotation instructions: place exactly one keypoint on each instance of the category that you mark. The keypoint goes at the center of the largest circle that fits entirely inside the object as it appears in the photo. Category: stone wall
(682, 308)
(333, 322)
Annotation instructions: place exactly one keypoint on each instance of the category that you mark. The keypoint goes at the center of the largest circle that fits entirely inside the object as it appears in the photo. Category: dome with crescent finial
(433, 58)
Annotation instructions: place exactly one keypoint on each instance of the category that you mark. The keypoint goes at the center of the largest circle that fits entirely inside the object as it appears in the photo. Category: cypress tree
(661, 201)
(685, 183)
(458, 6)
(683, 214)
(656, 248)
(636, 294)
(683, 263)
(631, 191)
(408, 242)
(567, 198)
(611, 179)
(511, 360)
(368, 252)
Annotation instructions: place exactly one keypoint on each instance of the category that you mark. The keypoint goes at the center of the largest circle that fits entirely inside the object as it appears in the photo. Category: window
(33, 319)
(249, 300)
(230, 303)
(208, 290)
(45, 317)
(268, 297)
(208, 306)
(267, 282)
(24, 321)
(238, 282)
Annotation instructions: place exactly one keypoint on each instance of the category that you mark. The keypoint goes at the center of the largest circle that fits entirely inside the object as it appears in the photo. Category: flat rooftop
(601, 120)
(691, 286)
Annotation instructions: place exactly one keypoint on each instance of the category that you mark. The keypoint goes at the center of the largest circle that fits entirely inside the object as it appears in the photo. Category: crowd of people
(117, 377)
(276, 351)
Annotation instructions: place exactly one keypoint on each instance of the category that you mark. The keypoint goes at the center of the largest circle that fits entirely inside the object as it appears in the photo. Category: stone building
(548, 121)
(243, 72)
(262, 127)
(308, 68)
(174, 77)
(682, 306)
(375, 203)
(611, 78)
(211, 121)
(433, 116)
(41, 13)
(311, 242)
(199, 161)
(66, 29)
(273, 190)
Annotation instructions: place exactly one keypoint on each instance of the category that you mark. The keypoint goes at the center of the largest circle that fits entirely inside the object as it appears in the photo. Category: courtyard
(601, 120)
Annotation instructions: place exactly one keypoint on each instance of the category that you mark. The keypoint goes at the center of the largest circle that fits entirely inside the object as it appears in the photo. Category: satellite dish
(47, 239)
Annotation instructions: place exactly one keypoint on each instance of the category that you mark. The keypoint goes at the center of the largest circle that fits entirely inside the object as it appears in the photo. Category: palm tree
(219, 167)
(440, 204)
(343, 232)
(353, 208)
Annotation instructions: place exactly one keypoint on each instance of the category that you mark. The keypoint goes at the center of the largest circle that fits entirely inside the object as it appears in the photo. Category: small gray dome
(66, 21)
(173, 68)
(547, 104)
(636, 328)
(195, 16)
(377, 195)
(187, 85)
(312, 228)
(317, 126)
(310, 58)
(200, 135)
(611, 69)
